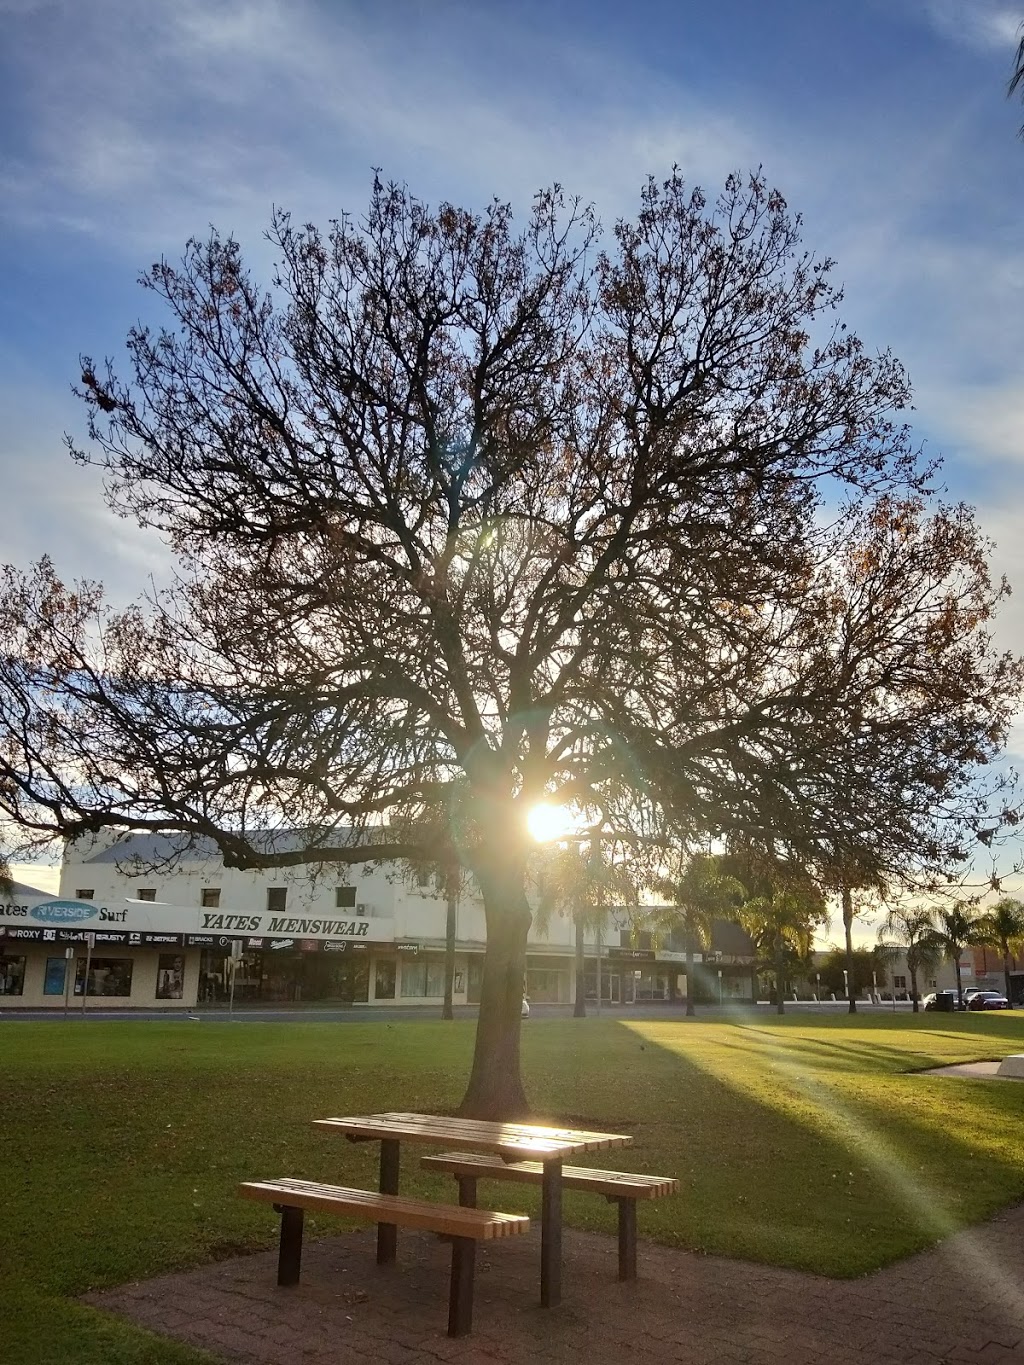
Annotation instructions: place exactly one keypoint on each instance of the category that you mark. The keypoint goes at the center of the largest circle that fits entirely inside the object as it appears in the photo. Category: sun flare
(546, 822)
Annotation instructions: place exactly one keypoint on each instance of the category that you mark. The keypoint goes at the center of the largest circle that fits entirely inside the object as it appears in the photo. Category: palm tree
(785, 919)
(701, 893)
(1017, 80)
(911, 931)
(954, 930)
(588, 885)
(1003, 926)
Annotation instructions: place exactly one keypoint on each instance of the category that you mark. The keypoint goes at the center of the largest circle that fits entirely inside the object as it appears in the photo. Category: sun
(546, 822)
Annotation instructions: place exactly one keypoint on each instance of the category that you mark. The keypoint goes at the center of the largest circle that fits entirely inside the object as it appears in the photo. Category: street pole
(598, 1010)
(90, 939)
(69, 954)
(450, 926)
(719, 987)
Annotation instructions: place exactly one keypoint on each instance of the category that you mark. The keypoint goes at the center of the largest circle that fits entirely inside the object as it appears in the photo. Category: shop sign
(407, 947)
(632, 954)
(335, 945)
(173, 924)
(63, 912)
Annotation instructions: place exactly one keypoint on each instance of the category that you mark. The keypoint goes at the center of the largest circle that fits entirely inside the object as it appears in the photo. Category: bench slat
(614, 1184)
(369, 1206)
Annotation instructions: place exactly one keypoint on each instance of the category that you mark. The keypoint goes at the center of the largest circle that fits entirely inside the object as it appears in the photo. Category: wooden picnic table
(511, 1141)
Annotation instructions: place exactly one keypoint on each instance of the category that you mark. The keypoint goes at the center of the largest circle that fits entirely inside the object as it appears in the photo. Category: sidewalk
(960, 1302)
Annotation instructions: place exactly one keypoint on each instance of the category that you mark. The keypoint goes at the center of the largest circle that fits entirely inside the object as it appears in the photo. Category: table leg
(387, 1233)
(551, 1235)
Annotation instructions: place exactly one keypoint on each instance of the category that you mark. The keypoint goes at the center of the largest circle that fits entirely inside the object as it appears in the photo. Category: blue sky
(125, 127)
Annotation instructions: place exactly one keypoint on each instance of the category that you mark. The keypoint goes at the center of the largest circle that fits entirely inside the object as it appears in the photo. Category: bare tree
(637, 530)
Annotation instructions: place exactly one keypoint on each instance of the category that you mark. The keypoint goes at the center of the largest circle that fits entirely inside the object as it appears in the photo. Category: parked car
(942, 1000)
(988, 1000)
(969, 995)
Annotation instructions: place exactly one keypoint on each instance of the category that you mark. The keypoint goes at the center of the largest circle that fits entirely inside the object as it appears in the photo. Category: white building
(361, 935)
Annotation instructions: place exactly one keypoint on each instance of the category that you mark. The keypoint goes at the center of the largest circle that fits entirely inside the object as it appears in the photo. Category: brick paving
(961, 1303)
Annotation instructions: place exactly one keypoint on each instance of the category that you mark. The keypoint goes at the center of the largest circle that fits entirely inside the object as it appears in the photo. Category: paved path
(961, 1302)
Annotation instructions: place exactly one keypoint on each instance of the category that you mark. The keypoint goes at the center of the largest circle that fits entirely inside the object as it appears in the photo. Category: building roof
(23, 889)
(161, 848)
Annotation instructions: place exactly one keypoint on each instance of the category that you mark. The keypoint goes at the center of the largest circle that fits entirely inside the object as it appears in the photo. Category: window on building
(899, 983)
(384, 982)
(344, 897)
(414, 978)
(422, 978)
(107, 976)
(146, 893)
(277, 897)
(170, 976)
(85, 895)
(53, 981)
(209, 897)
(12, 975)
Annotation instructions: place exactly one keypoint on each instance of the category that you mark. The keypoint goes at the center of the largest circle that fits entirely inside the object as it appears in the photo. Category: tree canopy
(464, 506)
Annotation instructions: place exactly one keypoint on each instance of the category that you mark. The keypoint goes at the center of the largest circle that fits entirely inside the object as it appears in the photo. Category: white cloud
(216, 112)
(986, 25)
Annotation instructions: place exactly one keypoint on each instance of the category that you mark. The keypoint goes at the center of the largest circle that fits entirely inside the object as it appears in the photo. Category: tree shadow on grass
(840, 1171)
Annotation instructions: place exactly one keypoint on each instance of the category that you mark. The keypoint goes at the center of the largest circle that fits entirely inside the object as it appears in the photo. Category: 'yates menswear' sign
(151, 922)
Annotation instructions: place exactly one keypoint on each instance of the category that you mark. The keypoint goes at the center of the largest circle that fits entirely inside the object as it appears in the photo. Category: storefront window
(12, 975)
(414, 979)
(542, 984)
(56, 971)
(476, 980)
(384, 980)
(423, 978)
(107, 976)
(170, 977)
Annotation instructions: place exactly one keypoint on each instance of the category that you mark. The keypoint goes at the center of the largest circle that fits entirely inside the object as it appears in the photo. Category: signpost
(69, 954)
(90, 943)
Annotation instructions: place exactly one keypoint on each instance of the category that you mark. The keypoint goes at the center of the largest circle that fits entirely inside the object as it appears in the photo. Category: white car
(526, 1008)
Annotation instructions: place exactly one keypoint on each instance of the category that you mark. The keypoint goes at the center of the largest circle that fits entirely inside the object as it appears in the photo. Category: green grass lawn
(803, 1141)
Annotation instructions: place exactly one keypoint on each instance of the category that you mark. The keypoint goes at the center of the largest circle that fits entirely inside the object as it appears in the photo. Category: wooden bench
(621, 1187)
(462, 1226)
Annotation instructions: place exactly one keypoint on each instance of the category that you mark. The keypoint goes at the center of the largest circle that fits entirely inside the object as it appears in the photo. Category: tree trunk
(1006, 969)
(780, 972)
(580, 1008)
(449, 945)
(690, 1011)
(959, 983)
(913, 989)
(495, 1088)
(848, 926)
